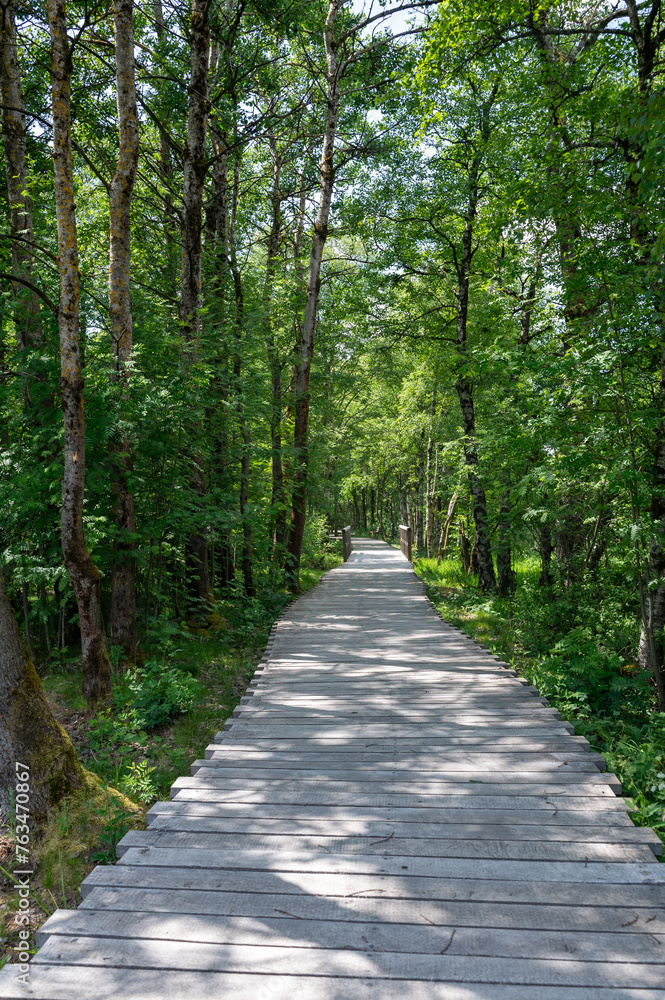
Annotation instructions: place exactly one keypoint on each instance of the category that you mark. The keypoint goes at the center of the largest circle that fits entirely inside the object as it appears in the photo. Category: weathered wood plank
(354, 885)
(418, 912)
(563, 832)
(334, 814)
(391, 846)
(423, 938)
(271, 960)
(647, 872)
(86, 983)
(198, 789)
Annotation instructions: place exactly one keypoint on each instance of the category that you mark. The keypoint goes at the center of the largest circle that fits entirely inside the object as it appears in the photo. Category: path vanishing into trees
(392, 813)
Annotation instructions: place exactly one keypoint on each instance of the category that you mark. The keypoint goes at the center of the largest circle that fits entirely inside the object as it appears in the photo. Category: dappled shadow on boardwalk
(391, 814)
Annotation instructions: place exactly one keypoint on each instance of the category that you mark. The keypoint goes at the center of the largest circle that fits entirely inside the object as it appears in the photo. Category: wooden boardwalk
(392, 814)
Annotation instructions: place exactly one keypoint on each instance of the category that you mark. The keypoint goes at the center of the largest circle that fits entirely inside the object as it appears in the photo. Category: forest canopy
(271, 268)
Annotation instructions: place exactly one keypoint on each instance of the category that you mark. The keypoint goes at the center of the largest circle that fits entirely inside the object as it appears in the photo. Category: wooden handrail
(346, 542)
(405, 541)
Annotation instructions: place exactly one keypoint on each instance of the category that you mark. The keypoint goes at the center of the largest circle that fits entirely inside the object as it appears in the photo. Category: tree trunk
(420, 498)
(506, 579)
(83, 573)
(429, 481)
(545, 548)
(123, 596)
(194, 170)
(248, 580)
(29, 733)
(445, 530)
(569, 542)
(403, 513)
(305, 345)
(165, 163)
(278, 498)
(464, 387)
(28, 326)
(464, 549)
(651, 651)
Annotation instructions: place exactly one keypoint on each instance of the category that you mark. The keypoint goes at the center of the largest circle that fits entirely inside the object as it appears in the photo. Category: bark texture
(28, 326)
(123, 597)
(194, 171)
(506, 579)
(278, 497)
(83, 573)
(29, 733)
(245, 451)
(305, 341)
(463, 385)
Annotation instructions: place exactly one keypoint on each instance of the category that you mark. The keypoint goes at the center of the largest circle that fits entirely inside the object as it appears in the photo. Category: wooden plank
(454, 759)
(647, 872)
(420, 816)
(194, 790)
(355, 885)
(270, 960)
(390, 846)
(562, 832)
(617, 920)
(423, 938)
(86, 983)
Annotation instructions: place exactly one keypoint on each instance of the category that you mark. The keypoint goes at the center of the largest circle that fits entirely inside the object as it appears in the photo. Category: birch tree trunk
(429, 480)
(83, 573)
(305, 342)
(194, 170)
(123, 597)
(29, 733)
(445, 529)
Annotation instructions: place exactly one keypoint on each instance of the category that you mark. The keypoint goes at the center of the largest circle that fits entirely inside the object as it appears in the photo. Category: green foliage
(137, 782)
(149, 695)
(586, 681)
(608, 700)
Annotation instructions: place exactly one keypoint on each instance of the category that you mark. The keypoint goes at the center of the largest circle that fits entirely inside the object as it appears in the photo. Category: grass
(199, 676)
(579, 651)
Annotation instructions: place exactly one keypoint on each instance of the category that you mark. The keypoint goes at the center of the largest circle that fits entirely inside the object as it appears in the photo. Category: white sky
(397, 22)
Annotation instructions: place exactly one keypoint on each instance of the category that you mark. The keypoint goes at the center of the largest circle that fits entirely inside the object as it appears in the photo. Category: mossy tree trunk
(29, 733)
(83, 573)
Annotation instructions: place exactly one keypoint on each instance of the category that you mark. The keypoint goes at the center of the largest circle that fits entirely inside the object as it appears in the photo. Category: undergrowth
(578, 649)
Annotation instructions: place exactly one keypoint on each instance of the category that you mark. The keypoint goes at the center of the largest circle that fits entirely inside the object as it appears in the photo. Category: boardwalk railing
(405, 541)
(346, 542)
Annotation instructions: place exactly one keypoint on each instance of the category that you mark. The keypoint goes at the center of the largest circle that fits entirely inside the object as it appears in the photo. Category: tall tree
(304, 348)
(194, 173)
(123, 596)
(84, 575)
(14, 136)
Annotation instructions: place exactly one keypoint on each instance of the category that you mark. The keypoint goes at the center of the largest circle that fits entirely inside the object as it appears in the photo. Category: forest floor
(584, 667)
(164, 714)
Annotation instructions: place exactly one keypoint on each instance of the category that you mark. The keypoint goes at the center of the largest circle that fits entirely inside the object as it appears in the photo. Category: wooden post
(346, 542)
(405, 541)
